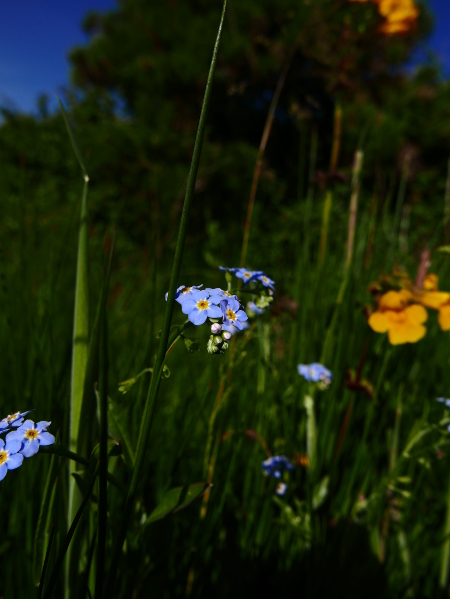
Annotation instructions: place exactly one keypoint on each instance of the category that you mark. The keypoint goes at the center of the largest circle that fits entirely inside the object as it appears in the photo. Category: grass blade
(46, 561)
(156, 379)
(68, 538)
(41, 528)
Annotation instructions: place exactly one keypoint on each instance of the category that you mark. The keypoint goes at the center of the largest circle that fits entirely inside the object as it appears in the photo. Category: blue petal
(42, 425)
(46, 439)
(188, 305)
(3, 471)
(30, 448)
(19, 435)
(198, 316)
(2, 443)
(241, 315)
(27, 425)
(214, 312)
(13, 445)
(14, 461)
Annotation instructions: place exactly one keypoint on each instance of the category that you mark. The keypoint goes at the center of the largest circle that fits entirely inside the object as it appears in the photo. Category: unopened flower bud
(224, 346)
(216, 328)
(218, 340)
(226, 335)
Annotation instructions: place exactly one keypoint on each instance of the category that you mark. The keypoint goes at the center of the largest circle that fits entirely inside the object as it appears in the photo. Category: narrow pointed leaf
(176, 499)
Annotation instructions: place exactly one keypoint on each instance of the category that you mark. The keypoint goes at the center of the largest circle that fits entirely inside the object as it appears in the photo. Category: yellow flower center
(31, 433)
(265, 279)
(231, 315)
(227, 293)
(247, 275)
(12, 417)
(186, 290)
(3, 456)
(202, 304)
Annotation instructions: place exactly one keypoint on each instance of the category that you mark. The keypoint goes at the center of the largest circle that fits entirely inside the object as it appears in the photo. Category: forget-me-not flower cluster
(22, 440)
(274, 467)
(315, 373)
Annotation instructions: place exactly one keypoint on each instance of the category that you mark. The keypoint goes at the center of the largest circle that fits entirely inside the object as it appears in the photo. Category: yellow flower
(402, 322)
(431, 282)
(436, 300)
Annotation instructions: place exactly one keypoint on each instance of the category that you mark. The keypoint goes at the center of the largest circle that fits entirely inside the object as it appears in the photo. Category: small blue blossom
(10, 459)
(232, 313)
(274, 465)
(187, 293)
(13, 420)
(281, 489)
(199, 307)
(254, 308)
(225, 268)
(444, 400)
(266, 281)
(217, 294)
(31, 436)
(315, 373)
(248, 275)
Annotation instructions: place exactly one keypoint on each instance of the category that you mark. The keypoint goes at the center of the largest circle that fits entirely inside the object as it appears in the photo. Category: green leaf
(444, 249)
(177, 499)
(191, 345)
(320, 492)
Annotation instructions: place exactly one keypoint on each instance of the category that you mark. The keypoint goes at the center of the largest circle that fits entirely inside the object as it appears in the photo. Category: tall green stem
(156, 378)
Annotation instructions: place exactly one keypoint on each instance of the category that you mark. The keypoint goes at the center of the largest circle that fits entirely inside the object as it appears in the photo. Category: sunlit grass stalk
(325, 224)
(80, 340)
(337, 136)
(156, 378)
(357, 167)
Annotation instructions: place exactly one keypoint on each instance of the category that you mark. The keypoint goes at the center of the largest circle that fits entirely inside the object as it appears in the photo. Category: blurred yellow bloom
(399, 15)
(431, 282)
(436, 300)
(402, 322)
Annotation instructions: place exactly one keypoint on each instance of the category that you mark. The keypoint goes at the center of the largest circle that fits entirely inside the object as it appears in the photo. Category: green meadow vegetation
(311, 157)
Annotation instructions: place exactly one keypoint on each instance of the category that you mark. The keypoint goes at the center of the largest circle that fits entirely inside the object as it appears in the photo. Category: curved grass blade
(41, 535)
(46, 561)
(80, 340)
(176, 268)
(68, 538)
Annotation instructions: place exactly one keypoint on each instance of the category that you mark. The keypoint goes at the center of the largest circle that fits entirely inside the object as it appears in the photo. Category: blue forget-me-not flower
(232, 313)
(13, 420)
(10, 459)
(315, 373)
(275, 465)
(198, 307)
(31, 436)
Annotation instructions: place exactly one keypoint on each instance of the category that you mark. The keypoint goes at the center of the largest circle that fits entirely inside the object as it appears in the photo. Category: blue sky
(36, 36)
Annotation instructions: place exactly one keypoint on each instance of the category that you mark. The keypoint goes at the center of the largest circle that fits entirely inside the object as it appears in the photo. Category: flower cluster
(23, 440)
(200, 304)
(401, 314)
(251, 276)
(274, 466)
(400, 15)
(315, 373)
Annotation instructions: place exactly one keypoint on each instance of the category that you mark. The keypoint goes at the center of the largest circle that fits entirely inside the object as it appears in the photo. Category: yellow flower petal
(406, 334)
(416, 314)
(431, 282)
(378, 322)
(444, 317)
(432, 299)
(395, 300)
